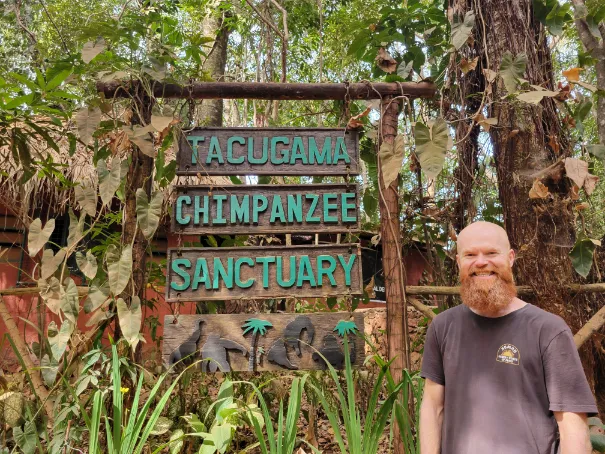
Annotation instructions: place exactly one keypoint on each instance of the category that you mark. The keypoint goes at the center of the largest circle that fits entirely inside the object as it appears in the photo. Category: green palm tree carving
(345, 327)
(257, 327)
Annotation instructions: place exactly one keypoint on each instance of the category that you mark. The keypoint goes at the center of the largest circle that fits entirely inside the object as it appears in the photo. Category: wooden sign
(268, 151)
(262, 342)
(204, 274)
(265, 208)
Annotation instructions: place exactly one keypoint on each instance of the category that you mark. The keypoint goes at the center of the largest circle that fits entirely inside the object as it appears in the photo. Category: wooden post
(391, 259)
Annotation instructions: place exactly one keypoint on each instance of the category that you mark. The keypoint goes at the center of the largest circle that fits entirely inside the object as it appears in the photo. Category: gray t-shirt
(503, 379)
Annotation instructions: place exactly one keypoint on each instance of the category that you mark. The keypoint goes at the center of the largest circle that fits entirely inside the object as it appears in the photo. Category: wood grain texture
(264, 224)
(226, 329)
(257, 291)
(186, 151)
(271, 90)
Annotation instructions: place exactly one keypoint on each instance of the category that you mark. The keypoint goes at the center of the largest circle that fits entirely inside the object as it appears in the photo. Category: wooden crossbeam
(279, 91)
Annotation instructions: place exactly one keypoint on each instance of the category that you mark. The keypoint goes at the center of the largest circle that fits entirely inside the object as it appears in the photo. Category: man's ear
(511, 257)
(458, 260)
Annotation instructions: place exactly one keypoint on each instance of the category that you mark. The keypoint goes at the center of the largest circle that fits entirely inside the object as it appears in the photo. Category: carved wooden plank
(266, 208)
(268, 151)
(204, 274)
(290, 341)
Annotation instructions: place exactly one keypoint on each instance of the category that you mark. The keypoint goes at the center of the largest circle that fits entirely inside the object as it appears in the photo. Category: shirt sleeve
(566, 383)
(432, 360)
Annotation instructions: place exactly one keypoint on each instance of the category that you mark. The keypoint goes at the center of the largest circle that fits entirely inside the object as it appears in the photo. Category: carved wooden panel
(205, 274)
(265, 208)
(268, 151)
(262, 342)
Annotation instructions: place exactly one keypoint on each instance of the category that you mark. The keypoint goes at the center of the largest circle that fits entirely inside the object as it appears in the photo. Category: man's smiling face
(485, 261)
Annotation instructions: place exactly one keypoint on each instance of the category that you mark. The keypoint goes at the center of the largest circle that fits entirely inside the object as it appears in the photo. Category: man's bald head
(483, 231)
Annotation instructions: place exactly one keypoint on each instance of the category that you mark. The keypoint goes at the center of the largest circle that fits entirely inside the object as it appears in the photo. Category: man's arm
(431, 417)
(573, 430)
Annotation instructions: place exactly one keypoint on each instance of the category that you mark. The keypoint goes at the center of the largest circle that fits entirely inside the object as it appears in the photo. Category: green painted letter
(284, 152)
(346, 206)
(277, 210)
(280, 272)
(215, 151)
(263, 158)
(295, 208)
(221, 273)
(175, 266)
(347, 267)
(219, 220)
(240, 213)
(201, 276)
(194, 141)
(328, 272)
(182, 199)
(330, 206)
(230, 158)
(340, 151)
(310, 218)
(259, 204)
(298, 151)
(305, 272)
(326, 152)
(265, 261)
(238, 270)
(200, 209)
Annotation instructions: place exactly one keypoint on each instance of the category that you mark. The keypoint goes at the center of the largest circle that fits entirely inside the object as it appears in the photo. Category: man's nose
(481, 260)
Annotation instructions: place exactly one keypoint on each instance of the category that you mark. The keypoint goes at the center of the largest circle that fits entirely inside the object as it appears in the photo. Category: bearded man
(502, 376)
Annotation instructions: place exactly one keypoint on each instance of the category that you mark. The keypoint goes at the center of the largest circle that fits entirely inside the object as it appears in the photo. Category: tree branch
(591, 327)
(284, 40)
(588, 40)
(265, 20)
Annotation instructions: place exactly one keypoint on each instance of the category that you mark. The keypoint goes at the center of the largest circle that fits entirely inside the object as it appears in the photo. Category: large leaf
(534, 97)
(50, 292)
(76, 228)
(87, 121)
(577, 170)
(58, 341)
(149, 212)
(70, 301)
(27, 439)
(87, 264)
(160, 123)
(97, 295)
(50, 262)
(139, 135)
(119, 268)
(176, 441)
(461, 29)
(86, 196)
(130, 320)
(109, 180)
(512, 68)
(432, 144)
(91, 49)
(581, 255)
(38, 236)
(391, 156)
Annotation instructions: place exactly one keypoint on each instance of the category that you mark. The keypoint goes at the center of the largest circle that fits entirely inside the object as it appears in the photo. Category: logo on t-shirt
(508, 354)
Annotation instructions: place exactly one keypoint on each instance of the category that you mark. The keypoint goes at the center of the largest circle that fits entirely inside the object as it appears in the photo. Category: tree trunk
(211, 110)
(391, 260)
(540, 230)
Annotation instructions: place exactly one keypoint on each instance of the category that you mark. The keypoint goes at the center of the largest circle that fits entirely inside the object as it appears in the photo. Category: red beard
(488, 298)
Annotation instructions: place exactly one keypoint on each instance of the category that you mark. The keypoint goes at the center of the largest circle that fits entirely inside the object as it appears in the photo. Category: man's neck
(513, 306)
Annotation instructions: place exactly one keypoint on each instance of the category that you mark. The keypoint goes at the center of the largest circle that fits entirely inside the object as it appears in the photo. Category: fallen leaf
(590, 183)
(538, 190)
(468, 65)
(490, 75)
(486, 123)
(355, 122)
(572, 74)
(576, 170)
(385, 61)
(582, 206)
(534, 97)
(574, 192)
(553, 144)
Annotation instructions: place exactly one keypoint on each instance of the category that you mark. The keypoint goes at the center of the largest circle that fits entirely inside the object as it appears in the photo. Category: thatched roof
(43, 191)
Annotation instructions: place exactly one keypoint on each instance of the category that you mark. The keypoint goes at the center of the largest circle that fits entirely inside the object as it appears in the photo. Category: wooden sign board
(268, 151)
(265, 208)
(205, 274)
(262, 342)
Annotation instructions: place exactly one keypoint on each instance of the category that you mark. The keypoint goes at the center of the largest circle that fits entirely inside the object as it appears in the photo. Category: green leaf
(58, 341)
(176, 441)
(87, 121)
(76, 228)
(51, 292)
(130, 320)
(38, 236)
(92, 49)
(432, 144)
(149, 212)
(195, 423)
(119, 268)
(162, 425)
(582, 110)
(404, 70)
(50, 262)
(391, 157)
(461, 29)
(87, 264)
(512, 69)
(27, 438)
(557, 17)
(597, 150)
(97, 295)
(86, 196)
(598, 442)
(109, 180)
(581, 256)
(70, 300)
(58, 78)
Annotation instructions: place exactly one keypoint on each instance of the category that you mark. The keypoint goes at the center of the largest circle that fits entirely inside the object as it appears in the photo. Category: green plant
(361, 439)
(597, 434)
(125, 433)
(257, 327)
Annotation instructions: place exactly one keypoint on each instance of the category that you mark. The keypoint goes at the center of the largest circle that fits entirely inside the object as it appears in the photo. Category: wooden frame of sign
(263, 342)
(268, 151)
(266, 208)
(206, 274)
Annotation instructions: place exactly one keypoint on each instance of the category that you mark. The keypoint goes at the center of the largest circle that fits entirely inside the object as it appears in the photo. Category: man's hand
(431, 417)
(573, 429)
